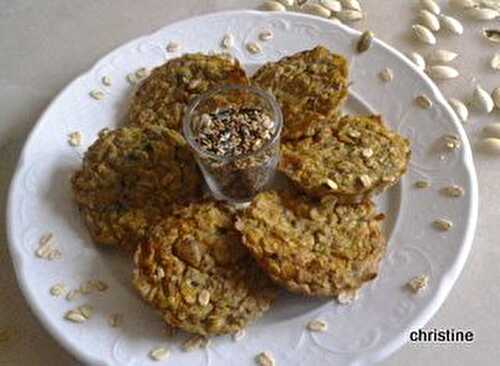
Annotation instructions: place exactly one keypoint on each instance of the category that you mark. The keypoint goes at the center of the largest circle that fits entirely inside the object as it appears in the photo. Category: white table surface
(44, 44)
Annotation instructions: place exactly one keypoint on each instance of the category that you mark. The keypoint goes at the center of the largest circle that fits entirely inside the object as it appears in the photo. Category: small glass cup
(235, 178)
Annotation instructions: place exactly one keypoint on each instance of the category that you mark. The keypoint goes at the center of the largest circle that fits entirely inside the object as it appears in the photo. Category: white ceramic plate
(40, 201)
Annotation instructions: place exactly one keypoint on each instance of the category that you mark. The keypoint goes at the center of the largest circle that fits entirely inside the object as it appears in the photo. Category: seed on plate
(351, 4)
(462, 4)
(386, 74)
(115, 320)
(173, 47)
(239, 335)
(423, 34)
(194, 343)
(271, 5)
(265, 35)
(227, 41)
(97, 94)
(73, 294)
(75, 138)
(57, 290)
(204, 298)
(47, 248)
(482, 100)
(490, 146)
(428, 19)
(492, 35)
(417, 59)
(423, 101)
(316, 9)
(75, 316)
(365, 41)
(495, 95)
(430, 5)
(350, 15)
(98, 285)
(442, 72)
(86, 311)
(418, 284)
(141, 73)
(159, 354)
(441, 56)
(317, 326)
(452, 142)
(451, 24)
(254, 48)
(333, 5)
(453, 191)
(347, 297)
(265, 359)
(442, 224)
(422, 184)
(460, 109)
(106, 81)
(479, 13)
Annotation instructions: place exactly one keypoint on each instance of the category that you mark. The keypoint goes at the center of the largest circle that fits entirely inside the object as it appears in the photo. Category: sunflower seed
(418, 284)
(266, 35)
(386, 75)
(478, 13)
(422, 184)
(462, 4)
(239, 335)
(350, 15)
(347, 297)
(57, 290)
(417, 59)
(441, 72)
(423, 34)
(159, 354)
(460, 109)
(173, 47)
(482, 100)
(265, 359)
(441, 56)
(254, 48)
(364, 42)
(431, 6)
(453, 191)
(495, 95)
(423, 101)
(106, 81)
(97, 94)
(317, 326)
(316, 9)
(351, 4)
(115, 320)
(75, 138)
(429, 20)
(442, 224)
(451, 24)
(271, 5)
(333, 5)
(490, 146)
(335, 20)
(492, 35)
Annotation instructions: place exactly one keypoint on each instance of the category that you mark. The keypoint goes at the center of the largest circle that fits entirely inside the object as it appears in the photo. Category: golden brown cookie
(195, 271)
(129, 178)
(164, 95)
(312, 247)
(309, 86)
(351, 157)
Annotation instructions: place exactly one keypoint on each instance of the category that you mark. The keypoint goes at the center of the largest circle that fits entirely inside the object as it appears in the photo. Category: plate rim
(446, 283)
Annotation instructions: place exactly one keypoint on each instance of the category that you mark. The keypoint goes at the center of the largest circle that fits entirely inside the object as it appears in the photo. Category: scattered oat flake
(73, 294)
(86, 311)
(453, 191)
(386, 75)
(75, 316)
(75, 138)
(141, 73)
(58, 290)
(173, 47)
(115, 320)
(47, 248)
(317, 326)
(97, 94)
(421, 184)
(227, 41)
(239, 335)
(96, 285)
(423, 101)
(419, 283)
(442, 224)
(365, 180)
(254, 48)
(265, 359)
(159, 354)
(266, 35)
(452, 142)
(106, 81)
(131, 78)
(347, 297)
(194, 343)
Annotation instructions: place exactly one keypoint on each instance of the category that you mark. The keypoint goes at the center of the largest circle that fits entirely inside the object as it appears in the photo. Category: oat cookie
(351, 157)
(130, 177)
(309, 85)
(195, 271)
(163, 96)
(313, 247)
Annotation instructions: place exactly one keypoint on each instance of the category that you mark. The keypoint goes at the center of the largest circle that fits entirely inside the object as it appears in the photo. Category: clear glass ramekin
(236, 179)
